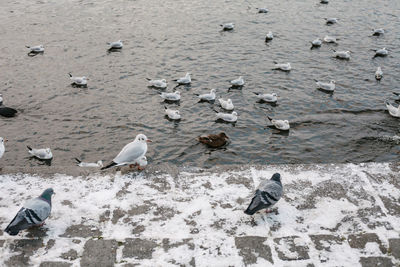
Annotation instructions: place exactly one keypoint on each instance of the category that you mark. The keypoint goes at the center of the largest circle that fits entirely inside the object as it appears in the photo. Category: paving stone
(360, 240)
(376, 261)
(25, 248)
(394, 245)
(167, 244)
(54, 264)
(320, 241)
(392, 205)
(81, 230)
(99, 253)
(1, 243)
(138, 248)
(252, 247)
(70, 255)
(296, 252)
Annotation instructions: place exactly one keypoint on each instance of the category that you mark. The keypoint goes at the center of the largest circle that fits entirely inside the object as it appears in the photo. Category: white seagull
(280, 124)
(331, 20)
(78, 80)
(226, 104)
(378, 32)
(316, 43)
(395, 112)
(238, 82)
(158, 83)
(40, 153)
(282, 66)
(207, 97)
(2, 147)
(175, 96)
(131, 152)
(381, 52)
(184, 80)
(341, 54)
(229, 117)
(116, 45)
(228, 26)
(269, 36)
(262, 10)
(270, 98)
(172, 113)
(36, 48)
(1, 99)
(326, 86)
(98, 164)
(330, 39)
(378, 73)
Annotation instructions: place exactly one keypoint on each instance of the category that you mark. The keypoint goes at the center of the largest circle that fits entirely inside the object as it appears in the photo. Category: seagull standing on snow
(33, 213)
(80, 81)
(227, 26)
(395, 112)
(282, 66)
(207, 97)
(269, 36)
(158, 83)
(330, 39)
(116, 45)
(381, 52)
(226, 104)
(270, 98)
(184, 80)
(378, 74)
(172, 113)
(238, 82)
(97, 164)
(131, 152)
(35, 49)
(280, 124)
(2, 147)
(40, 153)
(331, 21)
(341, 54)
(326, 86)
(229, 117)
(377, 32)
(267, 194)
(175, 96)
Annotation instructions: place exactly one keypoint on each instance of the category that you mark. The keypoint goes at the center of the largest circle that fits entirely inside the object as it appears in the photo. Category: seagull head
(177, 112)
(100, 163)
(48, 150)
(333, 81)
(2, 140)
(212, 91)
(141, 138)
(177, 92)
(164, 80)
(276, 177)
(234, 113)
(229, 101)
(274, 94)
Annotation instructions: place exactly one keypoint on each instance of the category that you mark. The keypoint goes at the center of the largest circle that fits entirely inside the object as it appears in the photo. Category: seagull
(33, 213)
(395, 112)
(214, 140)
(229, 117)
(2, 147)
(280, 124)
(80, 81)
(381, 52)
(97, 164)
(40, 153)
(207, 97)
(326, 86)
(226, 104)
(158, 83)
(269, 36)
(377, 32)
(262, 10)
(227, 26)
(172, 113)
(184, 80)
(267, 194)
(1, 99)
(131, 152)
(316, 43)
(378, 74)
(35, 49)
(330, 39)
(282, 66)
(324, 1)
(237, 82)
(175, 96)
(331, 21)
(116, 45)
(7, 112)
(341, 54)
(270, 98)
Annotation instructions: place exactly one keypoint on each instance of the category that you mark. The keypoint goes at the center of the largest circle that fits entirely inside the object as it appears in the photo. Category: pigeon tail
(255, 205)
(29, 148)
(112, 164)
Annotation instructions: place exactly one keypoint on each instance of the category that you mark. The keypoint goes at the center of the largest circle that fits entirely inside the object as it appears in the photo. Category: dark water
(165, 39)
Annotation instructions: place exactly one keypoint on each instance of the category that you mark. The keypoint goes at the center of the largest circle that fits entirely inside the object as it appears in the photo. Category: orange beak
(148, 141)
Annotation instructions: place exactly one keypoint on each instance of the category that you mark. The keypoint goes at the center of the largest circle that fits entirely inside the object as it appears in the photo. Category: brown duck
(214, 140)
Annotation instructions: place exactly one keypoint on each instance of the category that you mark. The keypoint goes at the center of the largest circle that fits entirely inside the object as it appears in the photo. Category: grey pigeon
(33, 213)
(266, 195)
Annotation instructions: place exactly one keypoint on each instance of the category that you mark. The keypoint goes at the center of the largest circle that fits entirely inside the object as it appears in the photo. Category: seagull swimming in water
(35, 49)
(228, 117)
(378, 74)
(184, 80)
(330, 39)
(98, 164)
(393, 111)
(116, 45)
(269, 36)
(40, 153)
(207, 97)
(158, 83)
(316, 43)
(174, 96)
(172, 113)
(270, 98)
(381, 52)
(280, 124)
(226, 104)
(341, 54)
(331, 21)
(228, 26)
(262, 10)
(79, 81)
(378, 32)
(330, 87)
(282, 66)
(238, 82)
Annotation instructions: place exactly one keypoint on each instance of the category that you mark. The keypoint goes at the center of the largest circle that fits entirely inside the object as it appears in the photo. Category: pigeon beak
(148, 141)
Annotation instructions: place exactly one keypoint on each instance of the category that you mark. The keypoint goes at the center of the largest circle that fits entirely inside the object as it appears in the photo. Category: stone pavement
(362, 200)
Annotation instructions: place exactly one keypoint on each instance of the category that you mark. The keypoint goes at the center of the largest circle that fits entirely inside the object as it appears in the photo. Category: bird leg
(43, 223)
(140, 168)
(268, 211)
(132, 165)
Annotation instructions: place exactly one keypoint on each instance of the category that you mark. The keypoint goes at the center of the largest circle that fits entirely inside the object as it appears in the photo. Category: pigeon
(131, 152)
(342, 54)
(158, 83)
(214, 140)
(270, 98)
(269, 36)
(282, 66)
(1, 99)
(378, 74)
(97, 164)
(237, 82)
(393, 111)
(267, 194)
(381, 52)
(262, 10)
(7, 112)
(207, 97)
(227, 26)
(282, 125)
(330, 39)
(175, 96)
(40, 153)
(2, 147)
(377, 32)
(316, 43)
(226, 104)
(184, 80)
(326, 86)
(229, 117)
(80, 81)
(141, 163)
(324, 1)
(33, 213)
(172, 114)
(116, 45)
(330, 21)
(35, 49)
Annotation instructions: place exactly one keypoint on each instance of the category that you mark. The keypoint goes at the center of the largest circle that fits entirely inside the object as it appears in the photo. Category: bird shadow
(278, 131)
(326, 91)
(74, 85)
(177, 102)
(42, 162)
(33, 54)
(273, 104)
(113, 50)
(171, 120)
(225, 122)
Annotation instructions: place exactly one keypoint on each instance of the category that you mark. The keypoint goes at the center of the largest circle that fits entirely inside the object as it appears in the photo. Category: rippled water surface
(165, 39)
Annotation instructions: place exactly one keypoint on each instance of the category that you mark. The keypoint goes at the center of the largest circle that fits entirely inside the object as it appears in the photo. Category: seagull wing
(130, 153)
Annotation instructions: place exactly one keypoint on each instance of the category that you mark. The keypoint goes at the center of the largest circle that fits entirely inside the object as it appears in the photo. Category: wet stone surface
(138, 248)
(252, 247)
(99, 253)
